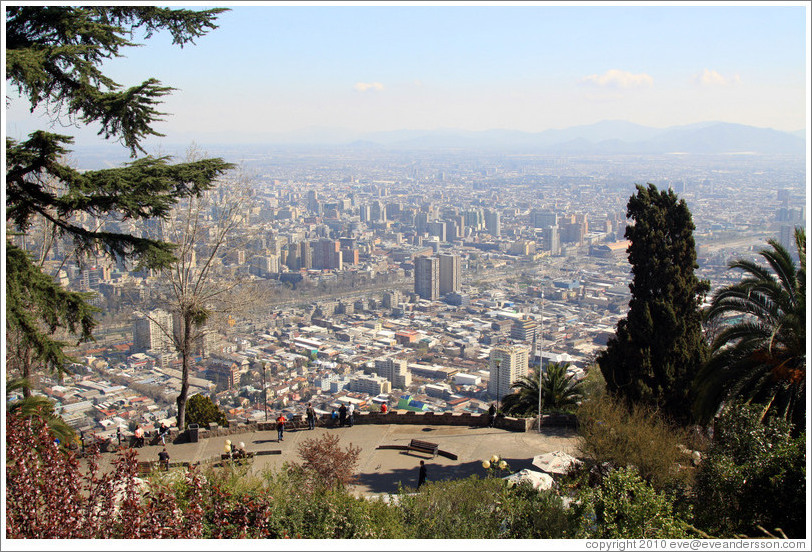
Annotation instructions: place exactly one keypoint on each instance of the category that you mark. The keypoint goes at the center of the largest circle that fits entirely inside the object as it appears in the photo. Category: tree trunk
(185, 353)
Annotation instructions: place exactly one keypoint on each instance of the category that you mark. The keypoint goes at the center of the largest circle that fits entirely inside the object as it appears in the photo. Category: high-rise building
(152, 332)
(524, 329)
(327, 254)
(395, 370)
(493, 223)
(370, 384)
(450, 273)
(543, 219)
(391, 299)
(551, 240)
(507, 364)
(437, 228)
(427, 277)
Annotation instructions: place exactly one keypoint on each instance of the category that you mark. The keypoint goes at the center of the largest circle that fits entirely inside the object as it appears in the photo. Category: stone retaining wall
(415, 418)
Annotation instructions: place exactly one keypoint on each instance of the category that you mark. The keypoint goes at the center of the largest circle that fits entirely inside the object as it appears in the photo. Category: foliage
(658, 348)
(39, 407)
(609, 432)
(753, 475)
(559, 392)
(626, 507)
(593, 384)
(202, 411)
(325, 464)
(476, 508)
(761, 357)
(48, 494)
(54, 56)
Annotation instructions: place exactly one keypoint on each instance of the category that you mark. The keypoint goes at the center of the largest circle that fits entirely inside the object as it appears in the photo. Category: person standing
(280, 426)
(491, 415)
(384, 408)
(421, 476)
(118, 435)
(342, 414)
(351, 414)
(311, 416)
(163, 458)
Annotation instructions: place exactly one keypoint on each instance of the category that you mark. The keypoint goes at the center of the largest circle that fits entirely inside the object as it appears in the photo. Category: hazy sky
(531, 67)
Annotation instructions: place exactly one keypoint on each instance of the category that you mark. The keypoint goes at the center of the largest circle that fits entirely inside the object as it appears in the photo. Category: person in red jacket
(280, 426)
(384, 408)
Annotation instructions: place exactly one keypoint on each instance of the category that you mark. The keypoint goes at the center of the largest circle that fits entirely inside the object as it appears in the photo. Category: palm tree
(36, 406)
(559, 391)
(525, 399)
(759, 356)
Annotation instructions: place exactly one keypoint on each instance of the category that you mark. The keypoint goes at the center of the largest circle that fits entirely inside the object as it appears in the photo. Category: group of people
(139, 436)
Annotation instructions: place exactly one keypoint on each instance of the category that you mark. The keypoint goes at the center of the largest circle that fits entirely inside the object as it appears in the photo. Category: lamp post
(498, 363)
(541, 354)
(264, 393)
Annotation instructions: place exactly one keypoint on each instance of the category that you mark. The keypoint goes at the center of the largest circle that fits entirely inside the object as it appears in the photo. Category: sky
(277, 69)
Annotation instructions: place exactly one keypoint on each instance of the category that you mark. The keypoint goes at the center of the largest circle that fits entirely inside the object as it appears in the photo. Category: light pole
(264, 393)
(541, 354)
(498, 363)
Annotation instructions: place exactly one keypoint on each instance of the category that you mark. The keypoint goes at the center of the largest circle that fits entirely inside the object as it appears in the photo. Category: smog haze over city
(420, 186)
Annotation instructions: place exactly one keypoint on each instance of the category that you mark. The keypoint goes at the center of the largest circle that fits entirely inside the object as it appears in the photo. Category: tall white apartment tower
(150, 332)
(450, 273)
(507, 364)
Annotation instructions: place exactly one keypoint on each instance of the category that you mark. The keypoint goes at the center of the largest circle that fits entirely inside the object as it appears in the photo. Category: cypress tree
(658, 348)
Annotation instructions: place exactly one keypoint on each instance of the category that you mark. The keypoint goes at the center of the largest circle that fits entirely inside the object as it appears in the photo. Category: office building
(450, 274)
(427, 277)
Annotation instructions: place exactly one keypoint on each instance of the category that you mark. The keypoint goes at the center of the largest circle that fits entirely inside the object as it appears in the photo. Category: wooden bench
(236, 456)
(424, 446)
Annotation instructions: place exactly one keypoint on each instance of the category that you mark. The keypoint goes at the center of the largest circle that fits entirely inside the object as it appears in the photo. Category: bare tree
(204, 229)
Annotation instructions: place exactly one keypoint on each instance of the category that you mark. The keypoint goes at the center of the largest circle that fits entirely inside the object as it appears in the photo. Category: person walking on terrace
(421, 476)
(280, 427)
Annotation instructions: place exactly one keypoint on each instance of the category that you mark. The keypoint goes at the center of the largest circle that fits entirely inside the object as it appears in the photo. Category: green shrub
(609, 432)
(475, 508)
(626, 507)
(753, 475)
(202, 411)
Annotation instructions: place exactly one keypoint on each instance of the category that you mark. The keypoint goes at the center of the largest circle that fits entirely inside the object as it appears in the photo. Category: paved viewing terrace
(380, 470)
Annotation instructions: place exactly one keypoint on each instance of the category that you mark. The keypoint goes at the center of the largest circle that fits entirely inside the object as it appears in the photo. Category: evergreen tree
(53, 58)
(658, 348)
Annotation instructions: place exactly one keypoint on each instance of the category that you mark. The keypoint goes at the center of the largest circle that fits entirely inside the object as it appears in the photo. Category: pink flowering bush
(49, 496)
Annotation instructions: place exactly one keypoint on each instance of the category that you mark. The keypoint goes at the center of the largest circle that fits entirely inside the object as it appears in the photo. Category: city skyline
(274, 70)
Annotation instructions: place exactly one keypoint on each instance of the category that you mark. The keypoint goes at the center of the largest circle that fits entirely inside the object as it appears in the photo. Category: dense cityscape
(403, 278)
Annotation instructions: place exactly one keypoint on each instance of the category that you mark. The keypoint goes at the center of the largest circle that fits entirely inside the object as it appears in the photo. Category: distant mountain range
(605, 137)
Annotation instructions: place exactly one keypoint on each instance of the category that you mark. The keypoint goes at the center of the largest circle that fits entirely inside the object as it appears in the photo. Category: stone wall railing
(364, 418)
(415, 418)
